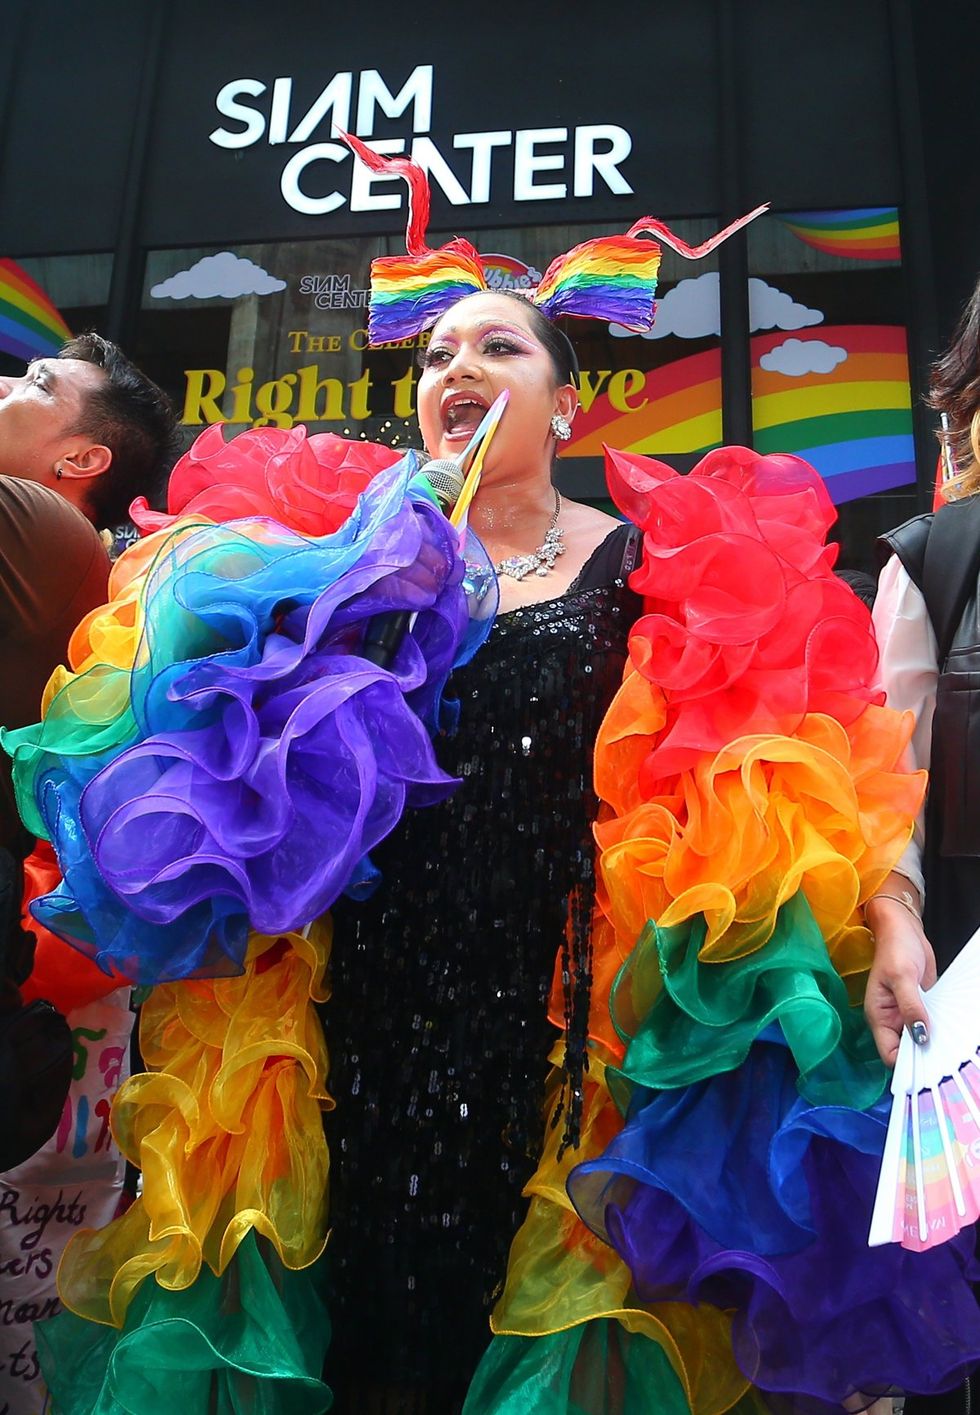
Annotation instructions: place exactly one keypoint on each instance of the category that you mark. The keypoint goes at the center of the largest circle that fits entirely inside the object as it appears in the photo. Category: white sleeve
(908, 671)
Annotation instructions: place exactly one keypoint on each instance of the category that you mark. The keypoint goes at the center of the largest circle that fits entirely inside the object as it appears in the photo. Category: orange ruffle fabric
(827, 810)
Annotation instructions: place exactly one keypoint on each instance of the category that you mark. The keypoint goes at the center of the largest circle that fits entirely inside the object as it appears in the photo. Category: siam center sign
(319, 174)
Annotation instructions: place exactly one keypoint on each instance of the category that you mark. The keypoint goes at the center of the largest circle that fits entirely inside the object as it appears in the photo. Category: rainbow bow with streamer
(611, 278)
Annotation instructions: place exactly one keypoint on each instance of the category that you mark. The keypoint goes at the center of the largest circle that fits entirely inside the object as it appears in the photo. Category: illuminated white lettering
(374, 93)
(482, 145)
(582, 160)
(227, 105)
(527, 162)
(282, 93)
(335, 100)
(296, 167)
(428, 156)
(588, 160)
(362, 197)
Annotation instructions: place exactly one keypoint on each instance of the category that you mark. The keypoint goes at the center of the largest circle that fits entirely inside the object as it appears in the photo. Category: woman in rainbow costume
(223, 776)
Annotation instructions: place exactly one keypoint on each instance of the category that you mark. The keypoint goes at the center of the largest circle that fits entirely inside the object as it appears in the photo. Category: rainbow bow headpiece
(611, 278)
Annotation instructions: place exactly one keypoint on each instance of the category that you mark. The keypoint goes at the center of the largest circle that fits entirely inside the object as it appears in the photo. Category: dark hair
(131, 416)
(863, 585)
(553, 340)
(954, 389)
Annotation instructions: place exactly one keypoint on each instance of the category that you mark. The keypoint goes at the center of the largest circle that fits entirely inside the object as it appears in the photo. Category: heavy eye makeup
(494, 342)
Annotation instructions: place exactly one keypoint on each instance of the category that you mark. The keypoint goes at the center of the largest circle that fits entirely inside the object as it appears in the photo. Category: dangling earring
(561, 428)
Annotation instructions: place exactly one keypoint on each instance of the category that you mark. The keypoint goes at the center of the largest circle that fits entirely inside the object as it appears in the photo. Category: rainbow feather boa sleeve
(213, 770)
(706, 1248)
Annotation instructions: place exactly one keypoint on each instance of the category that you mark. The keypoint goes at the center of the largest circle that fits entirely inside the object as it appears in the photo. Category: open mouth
(463, 416)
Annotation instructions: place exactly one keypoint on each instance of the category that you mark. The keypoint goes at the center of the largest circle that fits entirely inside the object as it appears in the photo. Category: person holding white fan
(928, 631)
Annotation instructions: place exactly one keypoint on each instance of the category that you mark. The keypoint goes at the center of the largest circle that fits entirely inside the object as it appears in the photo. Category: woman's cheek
(428, 415)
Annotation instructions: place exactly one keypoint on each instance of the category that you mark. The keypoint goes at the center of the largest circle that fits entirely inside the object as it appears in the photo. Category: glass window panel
(830, 374)
(43, 299)
(275, 333)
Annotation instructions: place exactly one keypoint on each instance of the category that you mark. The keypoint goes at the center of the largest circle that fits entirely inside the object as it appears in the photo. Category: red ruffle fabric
(310, 484)
(61, 975)
(748, 629)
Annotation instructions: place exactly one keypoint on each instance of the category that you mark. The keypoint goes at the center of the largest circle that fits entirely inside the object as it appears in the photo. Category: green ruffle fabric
(597, 1368)
(705, 1018)
(251, 1342)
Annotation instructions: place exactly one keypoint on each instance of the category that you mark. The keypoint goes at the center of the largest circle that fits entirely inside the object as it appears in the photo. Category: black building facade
(169, 175)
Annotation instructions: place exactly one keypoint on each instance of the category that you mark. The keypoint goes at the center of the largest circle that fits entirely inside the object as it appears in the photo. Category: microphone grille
(446, 479)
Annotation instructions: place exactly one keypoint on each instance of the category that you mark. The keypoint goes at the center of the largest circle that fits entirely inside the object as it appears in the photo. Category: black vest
(941, 553)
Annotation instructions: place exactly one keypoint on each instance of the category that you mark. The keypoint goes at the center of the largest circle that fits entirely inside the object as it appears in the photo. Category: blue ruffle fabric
(738, 1190)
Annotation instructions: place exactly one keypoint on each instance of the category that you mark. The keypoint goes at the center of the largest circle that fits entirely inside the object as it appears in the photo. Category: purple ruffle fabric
(738, 1193)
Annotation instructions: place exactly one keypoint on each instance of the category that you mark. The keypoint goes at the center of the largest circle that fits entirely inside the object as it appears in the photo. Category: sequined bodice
(437, 1025)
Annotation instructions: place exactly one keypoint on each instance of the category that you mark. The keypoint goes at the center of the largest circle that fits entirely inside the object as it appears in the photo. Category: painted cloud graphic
(770, 308)
(796, 357)
(225, 275)
(692, 310)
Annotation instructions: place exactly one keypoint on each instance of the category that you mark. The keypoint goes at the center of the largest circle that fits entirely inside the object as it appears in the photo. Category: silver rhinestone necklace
(541, 560)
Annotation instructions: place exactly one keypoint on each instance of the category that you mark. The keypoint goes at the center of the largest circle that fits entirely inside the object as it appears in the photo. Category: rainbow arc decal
(30, 325)
(507, 271)
(861, 233)
(678, 411)
(853, 424)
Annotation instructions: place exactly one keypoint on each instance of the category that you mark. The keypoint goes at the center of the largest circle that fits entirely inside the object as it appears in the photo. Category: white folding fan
(929, 1185)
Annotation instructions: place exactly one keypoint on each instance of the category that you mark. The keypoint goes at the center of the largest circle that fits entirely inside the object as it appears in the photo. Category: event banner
(73, 1182)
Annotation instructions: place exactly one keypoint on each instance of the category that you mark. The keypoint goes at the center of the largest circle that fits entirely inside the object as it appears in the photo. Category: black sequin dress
(437, 1025)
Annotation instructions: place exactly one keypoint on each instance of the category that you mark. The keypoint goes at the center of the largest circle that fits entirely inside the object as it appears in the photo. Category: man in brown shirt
(53, 570)
(80, 436)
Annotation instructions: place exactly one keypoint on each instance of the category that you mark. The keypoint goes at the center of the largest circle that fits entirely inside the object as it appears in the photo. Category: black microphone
(384, 632)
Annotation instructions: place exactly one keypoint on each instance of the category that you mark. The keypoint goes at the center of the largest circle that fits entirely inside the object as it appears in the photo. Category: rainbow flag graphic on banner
(30, 325)
(854, 424)
(862, 233)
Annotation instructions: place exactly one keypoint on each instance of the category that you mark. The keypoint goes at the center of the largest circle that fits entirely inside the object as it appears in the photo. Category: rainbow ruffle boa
(705, 1249)
(213, 770)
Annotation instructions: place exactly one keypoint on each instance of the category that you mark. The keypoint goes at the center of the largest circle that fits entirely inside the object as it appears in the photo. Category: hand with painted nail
(904, 965)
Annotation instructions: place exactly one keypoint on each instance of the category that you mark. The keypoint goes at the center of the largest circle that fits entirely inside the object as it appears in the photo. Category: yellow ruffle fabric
(225, 1126)
(561, 1275)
